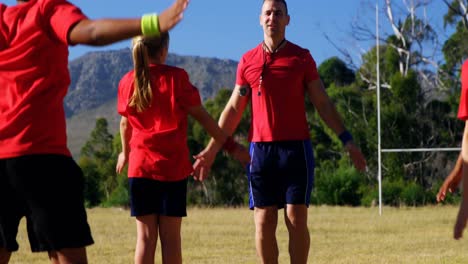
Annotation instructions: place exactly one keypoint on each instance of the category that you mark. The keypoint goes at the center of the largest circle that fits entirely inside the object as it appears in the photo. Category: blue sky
(227, 29)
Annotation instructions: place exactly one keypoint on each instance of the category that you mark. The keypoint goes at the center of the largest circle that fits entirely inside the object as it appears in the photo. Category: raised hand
(173, 15)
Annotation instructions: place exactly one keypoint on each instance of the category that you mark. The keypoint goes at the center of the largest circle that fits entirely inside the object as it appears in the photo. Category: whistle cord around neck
(265, 47)
(277, 47)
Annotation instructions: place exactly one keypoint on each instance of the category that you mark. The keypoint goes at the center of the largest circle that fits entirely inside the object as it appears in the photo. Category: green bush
(120, 196)
(396, 193)
(338, 187)
(370, 197)
(195, 192)
(93, 194)
(413, 195)
(391, 192)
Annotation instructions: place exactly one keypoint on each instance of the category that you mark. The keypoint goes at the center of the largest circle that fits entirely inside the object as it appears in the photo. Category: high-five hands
(171, 16)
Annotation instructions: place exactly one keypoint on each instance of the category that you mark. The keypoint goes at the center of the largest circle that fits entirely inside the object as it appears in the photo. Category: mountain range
(94, 81)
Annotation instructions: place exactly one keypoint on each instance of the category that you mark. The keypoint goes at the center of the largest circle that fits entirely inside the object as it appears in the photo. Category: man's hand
(356, 156)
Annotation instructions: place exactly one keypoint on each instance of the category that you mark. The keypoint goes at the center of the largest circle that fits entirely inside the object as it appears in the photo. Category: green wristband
(150, 25)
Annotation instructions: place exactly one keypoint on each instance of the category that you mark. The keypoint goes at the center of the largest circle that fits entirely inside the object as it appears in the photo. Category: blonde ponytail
(142, 94)
(143, 49)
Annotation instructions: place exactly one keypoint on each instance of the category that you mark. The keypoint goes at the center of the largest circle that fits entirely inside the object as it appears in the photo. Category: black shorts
(280, 172)
(48, 191)
(149, 196)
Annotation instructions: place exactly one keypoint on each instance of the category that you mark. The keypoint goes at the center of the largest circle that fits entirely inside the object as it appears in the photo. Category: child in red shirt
(154, 100)
(39, 179)
(462, 217)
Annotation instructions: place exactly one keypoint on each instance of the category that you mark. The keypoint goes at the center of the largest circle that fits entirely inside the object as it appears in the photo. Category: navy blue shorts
(280, 173)
(48, 191)
(149, 196)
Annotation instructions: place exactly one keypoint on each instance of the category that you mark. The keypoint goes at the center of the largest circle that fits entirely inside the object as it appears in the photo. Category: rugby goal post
(379, 146)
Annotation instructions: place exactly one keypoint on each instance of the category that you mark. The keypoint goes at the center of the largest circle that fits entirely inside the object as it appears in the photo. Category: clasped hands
(205, 159)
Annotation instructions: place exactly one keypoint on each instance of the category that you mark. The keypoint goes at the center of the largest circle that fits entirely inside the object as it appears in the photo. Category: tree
(334, 70)
(410, 35)
(457, 12)
(120, 194)
(406, 30)
(455, 49)
(98, 160)
(99, 144)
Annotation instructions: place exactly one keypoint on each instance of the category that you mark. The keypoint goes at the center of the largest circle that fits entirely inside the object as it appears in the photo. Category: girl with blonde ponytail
(143, 49)
(155, 100)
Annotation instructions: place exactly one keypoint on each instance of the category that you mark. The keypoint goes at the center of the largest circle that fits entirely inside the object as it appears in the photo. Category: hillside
(95, 77)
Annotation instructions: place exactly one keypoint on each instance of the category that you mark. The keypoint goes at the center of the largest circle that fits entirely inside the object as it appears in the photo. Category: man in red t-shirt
(274, 78)
(38, 177)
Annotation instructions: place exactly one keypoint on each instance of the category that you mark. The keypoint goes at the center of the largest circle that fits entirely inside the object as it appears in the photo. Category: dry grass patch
(338, 235)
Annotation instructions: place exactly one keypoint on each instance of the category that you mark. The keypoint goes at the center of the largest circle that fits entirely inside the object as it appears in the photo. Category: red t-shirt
(158, 146)
(278, 113)
(34, 76)
(463, 106)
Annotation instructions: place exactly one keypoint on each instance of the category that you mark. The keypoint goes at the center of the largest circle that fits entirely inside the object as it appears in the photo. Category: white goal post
(379, 147)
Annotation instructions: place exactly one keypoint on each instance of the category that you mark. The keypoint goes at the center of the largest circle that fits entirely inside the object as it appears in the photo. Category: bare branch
(347, 56)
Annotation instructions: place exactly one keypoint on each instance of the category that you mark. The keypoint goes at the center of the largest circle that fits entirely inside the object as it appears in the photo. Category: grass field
(338, 235)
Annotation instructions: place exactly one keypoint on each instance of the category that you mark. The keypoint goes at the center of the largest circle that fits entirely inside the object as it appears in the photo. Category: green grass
(338, 235)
